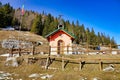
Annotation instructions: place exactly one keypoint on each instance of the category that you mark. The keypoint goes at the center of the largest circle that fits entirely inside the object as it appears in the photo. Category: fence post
(46, 66)
(33, 50)
(19, 51)
(62, 63)
(68, 49)
(80, 66)
(100, 65)
(48, 58)
(110, 49)
(87, 49)
(11, 51)
(49, 50)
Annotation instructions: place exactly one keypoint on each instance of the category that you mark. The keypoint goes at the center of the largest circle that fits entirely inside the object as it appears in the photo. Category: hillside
(71, 72)
(23, 35)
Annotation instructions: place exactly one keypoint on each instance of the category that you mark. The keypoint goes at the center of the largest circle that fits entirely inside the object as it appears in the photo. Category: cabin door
(60, 47)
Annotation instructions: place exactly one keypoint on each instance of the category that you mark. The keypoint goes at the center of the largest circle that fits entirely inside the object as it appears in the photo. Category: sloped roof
(70, 34)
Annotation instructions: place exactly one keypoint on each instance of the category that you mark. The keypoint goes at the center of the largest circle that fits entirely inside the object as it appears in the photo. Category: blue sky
(102, 15)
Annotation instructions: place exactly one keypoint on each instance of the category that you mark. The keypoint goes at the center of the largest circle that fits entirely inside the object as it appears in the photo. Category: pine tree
(82, 37)
(15, 22)
(113, 43)
(47, 28)
(88, 36)
(37, 25)
(92, 37)
(6, 15)
(98, 40)
(0, 4)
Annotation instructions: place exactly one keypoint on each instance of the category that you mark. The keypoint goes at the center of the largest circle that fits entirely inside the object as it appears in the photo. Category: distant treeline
(43, 24)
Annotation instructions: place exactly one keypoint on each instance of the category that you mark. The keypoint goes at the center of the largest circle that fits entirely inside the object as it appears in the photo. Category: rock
(92, 53)
(11, 61)
(8, 59)
(2, 78)
(41, 53)
(82, 78)
(15, 63)
(34, 75)
(5, 76)
(42, 76)
(109, 68)
(1, 72)
(46, 76)
(5, 55)
(114, 52)
(95, 78)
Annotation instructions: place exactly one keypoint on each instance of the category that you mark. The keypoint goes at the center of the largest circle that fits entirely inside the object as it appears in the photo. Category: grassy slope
(24, 35)
(71, 72)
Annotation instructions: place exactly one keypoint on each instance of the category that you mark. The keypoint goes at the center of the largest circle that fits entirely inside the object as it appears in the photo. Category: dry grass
(23, 35)
(71, 71)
